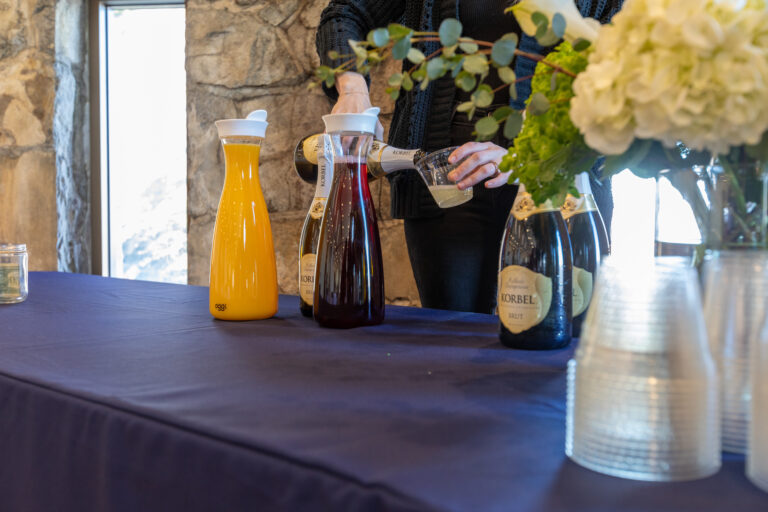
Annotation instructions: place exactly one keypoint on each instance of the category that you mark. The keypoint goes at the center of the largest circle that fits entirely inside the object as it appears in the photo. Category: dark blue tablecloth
(127, 396)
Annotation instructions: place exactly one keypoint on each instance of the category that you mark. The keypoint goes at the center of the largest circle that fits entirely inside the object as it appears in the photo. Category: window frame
(99, 123)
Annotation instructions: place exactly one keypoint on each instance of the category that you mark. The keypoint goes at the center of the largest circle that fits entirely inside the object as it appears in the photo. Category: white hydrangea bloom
(694, 71)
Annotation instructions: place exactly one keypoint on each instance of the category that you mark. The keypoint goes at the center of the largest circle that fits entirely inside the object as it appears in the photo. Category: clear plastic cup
(434, 169)
(736, 292)
(642, 387)
(757, 453)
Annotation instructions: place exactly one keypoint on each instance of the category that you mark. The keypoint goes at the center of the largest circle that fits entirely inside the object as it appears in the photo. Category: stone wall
(40, 40)
(244, 55)
(27, 158)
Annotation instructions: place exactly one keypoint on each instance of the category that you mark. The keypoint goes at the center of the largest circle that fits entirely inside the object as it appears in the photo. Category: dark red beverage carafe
(349, 275)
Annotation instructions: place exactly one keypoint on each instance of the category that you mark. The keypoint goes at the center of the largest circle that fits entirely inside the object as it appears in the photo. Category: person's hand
(482, 163)
(354, 97)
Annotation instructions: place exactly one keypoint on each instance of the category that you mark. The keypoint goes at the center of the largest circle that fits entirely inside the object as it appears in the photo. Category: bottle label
(324, 176)
(582, 290)
(524, 206)
(524, 298)
(307, 277)
(310, 147)
(574, 205)
(10, 282)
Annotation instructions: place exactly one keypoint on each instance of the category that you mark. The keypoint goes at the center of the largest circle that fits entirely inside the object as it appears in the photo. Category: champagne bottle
(310, 233)
(534, 292)
(382, 158)
(589, 243)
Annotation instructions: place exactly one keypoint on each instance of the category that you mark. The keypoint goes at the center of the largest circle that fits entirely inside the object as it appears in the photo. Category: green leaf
(419, 74)
(330, 80)
(483, 96)
(468, 47)
(548, 39)
(361, 53)
(424, 84)
(501, 113)
(415, 56)
(513, 125)
(476, 64)
(397, 31)
(465, 107)
(436, 68)
(333, 54)
(581, 44)
(630, 159)
(322, 72)
(395, 79)
(558, 25)
(506, 74)
(486, 128)
(553, 81)
(539, 104)
(407, 82)
(393, 92)
(466, 81)
(503, 52)
(401, 48)
(540, 19)
(378, 37)
(510, 36)
(456, 65)
(449, 31)
(513, 91)
(450, 51)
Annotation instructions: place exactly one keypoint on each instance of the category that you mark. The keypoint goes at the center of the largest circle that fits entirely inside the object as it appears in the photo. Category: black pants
(455, 257)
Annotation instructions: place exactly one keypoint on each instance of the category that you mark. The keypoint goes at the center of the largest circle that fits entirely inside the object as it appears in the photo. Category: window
(142, 117)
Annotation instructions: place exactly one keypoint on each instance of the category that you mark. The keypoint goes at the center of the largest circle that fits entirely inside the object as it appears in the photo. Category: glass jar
(13, 273)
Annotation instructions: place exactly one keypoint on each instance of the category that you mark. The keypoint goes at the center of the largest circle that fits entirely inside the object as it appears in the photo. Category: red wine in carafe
(349, 277)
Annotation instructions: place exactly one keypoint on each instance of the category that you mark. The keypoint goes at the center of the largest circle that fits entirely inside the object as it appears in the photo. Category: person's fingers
(480, 173)
(499, 180)
(467, 149)
(476, 160)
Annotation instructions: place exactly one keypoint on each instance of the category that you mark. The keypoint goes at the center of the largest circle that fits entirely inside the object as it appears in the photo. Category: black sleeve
(343, 20)
(603, 10)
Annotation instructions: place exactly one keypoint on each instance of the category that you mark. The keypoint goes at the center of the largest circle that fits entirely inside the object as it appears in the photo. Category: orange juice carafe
(243, 283)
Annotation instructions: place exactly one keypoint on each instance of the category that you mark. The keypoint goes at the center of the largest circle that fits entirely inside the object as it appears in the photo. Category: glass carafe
(349, 278)
(243, 281)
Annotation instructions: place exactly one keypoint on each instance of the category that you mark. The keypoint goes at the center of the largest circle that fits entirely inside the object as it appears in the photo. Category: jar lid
(364, 122)
(254, 125)
(13, 247)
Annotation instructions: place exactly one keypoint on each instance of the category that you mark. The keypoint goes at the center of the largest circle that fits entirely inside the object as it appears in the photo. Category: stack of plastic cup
(642, 387)
(757, 454)
(736, 291)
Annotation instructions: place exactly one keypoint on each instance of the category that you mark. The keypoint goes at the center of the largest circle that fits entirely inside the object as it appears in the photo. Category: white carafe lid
(254, 125)
(364, 122)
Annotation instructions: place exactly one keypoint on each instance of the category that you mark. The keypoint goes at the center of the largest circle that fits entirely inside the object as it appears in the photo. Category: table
(122, 395)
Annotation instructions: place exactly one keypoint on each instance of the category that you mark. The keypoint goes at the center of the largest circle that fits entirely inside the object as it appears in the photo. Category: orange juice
(243, 273)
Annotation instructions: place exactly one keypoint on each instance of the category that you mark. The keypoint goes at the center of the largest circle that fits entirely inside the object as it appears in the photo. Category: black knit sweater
(422, 119)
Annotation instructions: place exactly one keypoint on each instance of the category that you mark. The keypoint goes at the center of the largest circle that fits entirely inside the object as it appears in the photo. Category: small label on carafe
(307, 278)
(582, 290)
(524, 298)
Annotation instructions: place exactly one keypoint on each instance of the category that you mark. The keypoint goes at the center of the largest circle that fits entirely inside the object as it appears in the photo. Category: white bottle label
(574, 205)
(307, 277)
(324, 176)
(524, 298)
(582, 290)
(524, 206)
(394, 159)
